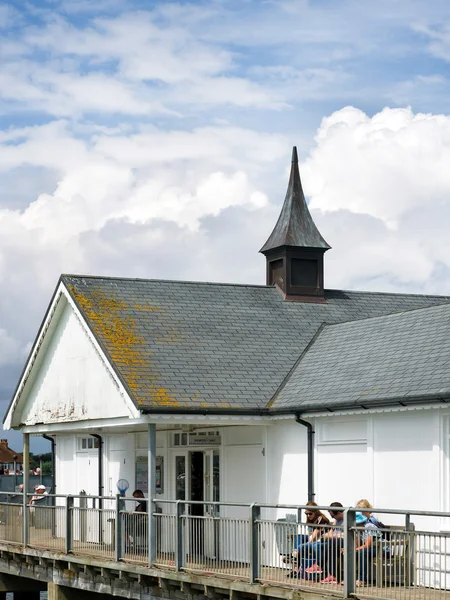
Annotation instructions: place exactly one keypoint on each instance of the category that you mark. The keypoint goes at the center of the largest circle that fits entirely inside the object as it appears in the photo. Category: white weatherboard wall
(72, 382)
(392, 459)
(287, 469)
(407, 460)
(243, 465)
(65, 455)
(343, 460)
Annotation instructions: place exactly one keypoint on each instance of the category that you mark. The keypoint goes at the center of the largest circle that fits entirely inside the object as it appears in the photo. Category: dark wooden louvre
(304, 272)
(276, 272)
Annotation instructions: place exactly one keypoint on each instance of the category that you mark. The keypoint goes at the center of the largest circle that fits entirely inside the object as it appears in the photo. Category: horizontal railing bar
(198, 502)
(87, 496)
(296, 507)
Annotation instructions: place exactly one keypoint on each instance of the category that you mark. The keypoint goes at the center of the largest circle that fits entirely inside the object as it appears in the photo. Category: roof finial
(295, 226)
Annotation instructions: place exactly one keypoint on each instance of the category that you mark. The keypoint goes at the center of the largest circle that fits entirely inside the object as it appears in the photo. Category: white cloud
(134, 64)
(383, 188)
(439, 39)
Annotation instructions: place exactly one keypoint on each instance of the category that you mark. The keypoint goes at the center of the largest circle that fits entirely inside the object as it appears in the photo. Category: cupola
(295, 248)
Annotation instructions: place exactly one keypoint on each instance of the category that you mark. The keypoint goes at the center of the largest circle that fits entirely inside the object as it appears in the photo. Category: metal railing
(269, 544)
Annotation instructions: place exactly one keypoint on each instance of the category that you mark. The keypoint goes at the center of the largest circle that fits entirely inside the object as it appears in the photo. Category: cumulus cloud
(383, 187)
(156, 142)
(123, 205)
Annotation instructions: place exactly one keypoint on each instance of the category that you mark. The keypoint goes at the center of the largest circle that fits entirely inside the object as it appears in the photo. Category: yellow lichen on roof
(114, 325)
(117, 331)
(145, 307)
(163, 398)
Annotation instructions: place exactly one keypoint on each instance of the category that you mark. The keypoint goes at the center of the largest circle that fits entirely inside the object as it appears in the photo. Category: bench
(393, 564)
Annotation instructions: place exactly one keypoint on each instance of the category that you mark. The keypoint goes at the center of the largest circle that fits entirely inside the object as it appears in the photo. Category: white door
(86, 523)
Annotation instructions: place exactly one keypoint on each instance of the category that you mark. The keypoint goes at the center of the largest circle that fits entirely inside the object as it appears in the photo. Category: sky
(153, 139)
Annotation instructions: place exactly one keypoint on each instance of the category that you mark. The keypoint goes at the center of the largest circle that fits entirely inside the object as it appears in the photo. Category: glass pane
(216, 476)
(176, 439)
(184, 439)
(96, 443)
(180, 474)
(90, 442)
(83, 444)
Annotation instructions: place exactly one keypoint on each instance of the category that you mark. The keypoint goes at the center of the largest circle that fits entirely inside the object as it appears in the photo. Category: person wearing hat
(40, 493)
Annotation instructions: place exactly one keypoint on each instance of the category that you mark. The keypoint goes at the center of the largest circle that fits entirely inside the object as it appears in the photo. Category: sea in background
(11, 596)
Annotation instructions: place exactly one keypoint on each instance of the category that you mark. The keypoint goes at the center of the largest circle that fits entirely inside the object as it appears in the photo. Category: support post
(409, 571)
(255, 515)
(69, 522)
(349, 552)
(119, 529)
(26, 486)
(179, 538)
(151, 493)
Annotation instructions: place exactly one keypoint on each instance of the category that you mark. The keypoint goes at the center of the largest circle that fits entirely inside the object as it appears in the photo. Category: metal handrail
(246, 546)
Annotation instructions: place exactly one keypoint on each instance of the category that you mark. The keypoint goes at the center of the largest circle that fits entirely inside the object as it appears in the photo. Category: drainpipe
(53, 490)
(100, 482)
(100, 465)
(53, 443)
(310, 453)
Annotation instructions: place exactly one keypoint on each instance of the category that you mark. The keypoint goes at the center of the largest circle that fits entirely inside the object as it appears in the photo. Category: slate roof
(183, 346)
(295, 226)
(402, 357)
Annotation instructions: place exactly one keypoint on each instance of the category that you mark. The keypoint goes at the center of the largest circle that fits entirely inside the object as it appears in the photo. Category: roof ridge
(388, 315)
(311, 342)
(416, 295)
(249, 285)
(183, 281)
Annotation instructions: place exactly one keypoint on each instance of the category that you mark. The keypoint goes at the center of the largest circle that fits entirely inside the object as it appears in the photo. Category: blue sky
(152, 139)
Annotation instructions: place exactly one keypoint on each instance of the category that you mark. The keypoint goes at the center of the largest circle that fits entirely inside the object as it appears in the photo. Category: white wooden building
(225, 378)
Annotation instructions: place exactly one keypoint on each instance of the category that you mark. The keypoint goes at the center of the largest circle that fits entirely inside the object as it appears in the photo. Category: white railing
(257, 543)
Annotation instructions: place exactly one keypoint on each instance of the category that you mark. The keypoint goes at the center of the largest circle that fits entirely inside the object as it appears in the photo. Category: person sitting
(40, 495)
(333, 542)
(308, 551)
(367, 547)
(141, 506)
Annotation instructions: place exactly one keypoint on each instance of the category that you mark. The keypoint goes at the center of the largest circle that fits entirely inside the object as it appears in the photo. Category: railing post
(69, 524)
(119, 529)
(151, 461)
(349, 552)
(409, 567)
(179, 536)
(255, 515)
(26, 485)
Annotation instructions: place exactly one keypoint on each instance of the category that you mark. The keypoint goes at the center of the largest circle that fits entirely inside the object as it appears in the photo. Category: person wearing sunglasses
(307, 554)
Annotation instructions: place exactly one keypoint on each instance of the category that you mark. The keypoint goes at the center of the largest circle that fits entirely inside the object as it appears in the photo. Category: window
(180, 439)
(197, 438)
(88, 443)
